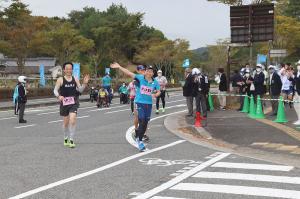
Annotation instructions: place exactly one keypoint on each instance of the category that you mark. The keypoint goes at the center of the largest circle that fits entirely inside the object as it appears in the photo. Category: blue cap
(140, 67)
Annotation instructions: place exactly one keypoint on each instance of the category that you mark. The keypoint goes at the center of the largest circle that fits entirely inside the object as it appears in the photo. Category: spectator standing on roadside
(222, 81)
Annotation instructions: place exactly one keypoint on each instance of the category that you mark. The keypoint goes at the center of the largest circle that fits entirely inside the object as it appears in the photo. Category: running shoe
(71, 144)
(142, 147)
(157, 111)
(146, 138)
(66, 142)
(163, 110)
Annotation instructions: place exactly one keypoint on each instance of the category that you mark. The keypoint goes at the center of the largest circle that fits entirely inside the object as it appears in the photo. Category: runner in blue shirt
(146, 88)
(106, 83)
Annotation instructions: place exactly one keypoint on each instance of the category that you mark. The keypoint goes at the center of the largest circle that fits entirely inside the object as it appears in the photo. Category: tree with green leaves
(19, 32)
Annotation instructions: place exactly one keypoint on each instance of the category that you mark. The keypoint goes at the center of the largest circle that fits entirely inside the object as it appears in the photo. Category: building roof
(31, 64)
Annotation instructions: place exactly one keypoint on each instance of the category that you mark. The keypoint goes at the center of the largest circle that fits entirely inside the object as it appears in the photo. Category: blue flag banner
(76, 70)
(261, 59)
(186, 63)
(42, 76)
(107, 70)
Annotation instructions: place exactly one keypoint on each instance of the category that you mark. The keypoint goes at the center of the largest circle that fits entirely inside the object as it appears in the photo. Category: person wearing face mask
(296, 78)
(248, 82)
(258, 81)
(162, 80)
(222, 88)
(188, 89)
(123, 90)
(275, 85)
(22, 98)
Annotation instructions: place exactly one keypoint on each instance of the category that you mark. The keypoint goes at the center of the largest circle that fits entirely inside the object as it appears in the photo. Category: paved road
(35, 164)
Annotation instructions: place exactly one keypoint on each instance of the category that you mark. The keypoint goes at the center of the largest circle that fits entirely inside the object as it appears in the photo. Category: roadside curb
(177, 125)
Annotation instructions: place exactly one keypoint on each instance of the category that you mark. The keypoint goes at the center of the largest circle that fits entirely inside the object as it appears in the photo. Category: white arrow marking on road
(253, 166)
(18, 127)
(251, 177)
(181, 177)
(241, 190)
(88, 173)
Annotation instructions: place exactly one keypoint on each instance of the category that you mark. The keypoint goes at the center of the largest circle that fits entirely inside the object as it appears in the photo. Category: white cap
(195, 71)
(271, 66)
(298, 63)
(22, 79)
(159, 71)
(259, 65)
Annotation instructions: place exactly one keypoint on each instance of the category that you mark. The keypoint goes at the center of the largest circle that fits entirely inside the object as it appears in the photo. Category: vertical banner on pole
(107, 70)
(186, 63)
(261, 59)
(76, 70)
(42, 76)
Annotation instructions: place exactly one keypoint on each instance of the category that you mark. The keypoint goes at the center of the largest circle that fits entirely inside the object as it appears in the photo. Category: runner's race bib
(146, 90)
(68, 101)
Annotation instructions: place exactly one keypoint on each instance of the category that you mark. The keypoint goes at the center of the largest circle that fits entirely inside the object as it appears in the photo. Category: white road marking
(130, 130)
(88, 173)
(48, 113)
(179, 105)
(164, 197)
(117, 111)
(181, 177)
(85, 116)
(18, 127)
(104, 109)
(269, 167)
(251, 177)
(8, 118)
(241, 190)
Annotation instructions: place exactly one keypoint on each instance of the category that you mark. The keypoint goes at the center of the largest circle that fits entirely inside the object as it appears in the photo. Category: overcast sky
(198, 21)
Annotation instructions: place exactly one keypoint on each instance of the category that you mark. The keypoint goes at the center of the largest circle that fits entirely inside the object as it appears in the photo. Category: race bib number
(68, 101)
(146, 90)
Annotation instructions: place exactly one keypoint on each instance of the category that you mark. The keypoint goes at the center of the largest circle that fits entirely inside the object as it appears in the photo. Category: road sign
(278, 53)
(252, 23)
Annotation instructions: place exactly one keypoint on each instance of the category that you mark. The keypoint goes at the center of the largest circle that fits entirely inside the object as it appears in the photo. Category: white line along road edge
(85, 174)
(181, 177)
(129, 132)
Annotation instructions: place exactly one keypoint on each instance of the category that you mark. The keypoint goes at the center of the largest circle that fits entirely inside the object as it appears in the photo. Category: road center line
(85, 174)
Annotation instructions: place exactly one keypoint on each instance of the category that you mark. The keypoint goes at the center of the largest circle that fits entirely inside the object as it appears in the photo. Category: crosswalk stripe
(181, 177)
(251, 177)
(242, 190)
(269, 167)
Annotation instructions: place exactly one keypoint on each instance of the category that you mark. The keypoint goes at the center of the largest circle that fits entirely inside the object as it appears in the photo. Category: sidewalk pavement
(235, 132)
(53, 100)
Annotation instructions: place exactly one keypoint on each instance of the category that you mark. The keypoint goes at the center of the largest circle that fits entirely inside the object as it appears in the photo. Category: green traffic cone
(252, 108)
(259, 112)
(210, 102)
(246, 105)
(280, 112)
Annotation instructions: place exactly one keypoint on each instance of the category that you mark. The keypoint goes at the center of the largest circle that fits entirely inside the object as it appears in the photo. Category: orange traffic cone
(198, 120)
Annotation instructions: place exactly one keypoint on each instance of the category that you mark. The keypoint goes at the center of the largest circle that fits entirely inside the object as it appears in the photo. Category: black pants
(162, 96)
(21, 111)
(132, 104)
(201, 104)
(123, 98)
(16, 107)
